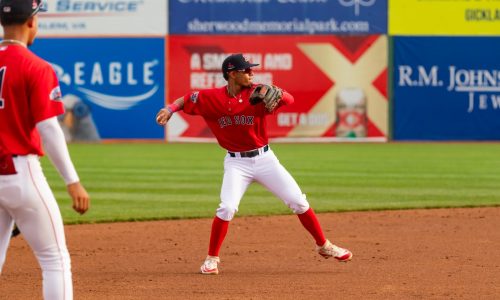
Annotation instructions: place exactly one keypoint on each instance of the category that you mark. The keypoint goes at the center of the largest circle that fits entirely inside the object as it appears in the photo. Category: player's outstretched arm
(166, 113)
(55, 146)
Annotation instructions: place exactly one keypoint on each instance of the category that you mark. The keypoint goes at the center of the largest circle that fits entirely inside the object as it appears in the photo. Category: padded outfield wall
(331, 55)
(317, 70)
(110, 58)
(446, 70)
(119, 61)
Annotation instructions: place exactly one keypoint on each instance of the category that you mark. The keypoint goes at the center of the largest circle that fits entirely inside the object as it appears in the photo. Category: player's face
(244, 77)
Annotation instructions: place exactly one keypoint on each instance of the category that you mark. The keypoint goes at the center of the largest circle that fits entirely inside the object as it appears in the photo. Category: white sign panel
(103, 17)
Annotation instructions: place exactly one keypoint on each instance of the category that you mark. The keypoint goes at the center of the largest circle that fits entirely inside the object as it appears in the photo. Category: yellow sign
(444, 17)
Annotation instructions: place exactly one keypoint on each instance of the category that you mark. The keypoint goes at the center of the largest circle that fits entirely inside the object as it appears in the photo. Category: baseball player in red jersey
(240, 128)
(30, 100)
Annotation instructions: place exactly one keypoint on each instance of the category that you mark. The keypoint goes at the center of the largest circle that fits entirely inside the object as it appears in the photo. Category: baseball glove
(270, 95)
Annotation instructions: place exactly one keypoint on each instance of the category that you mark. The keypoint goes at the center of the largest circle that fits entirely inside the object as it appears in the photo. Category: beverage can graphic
(351, 118)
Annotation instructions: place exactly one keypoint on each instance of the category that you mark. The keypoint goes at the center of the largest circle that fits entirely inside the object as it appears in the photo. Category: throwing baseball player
(30, 100)
(236, 114)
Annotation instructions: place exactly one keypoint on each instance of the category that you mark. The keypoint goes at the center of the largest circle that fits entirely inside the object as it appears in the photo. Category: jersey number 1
(2, 75)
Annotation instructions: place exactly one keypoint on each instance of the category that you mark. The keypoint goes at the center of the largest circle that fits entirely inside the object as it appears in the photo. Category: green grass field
(172, 181)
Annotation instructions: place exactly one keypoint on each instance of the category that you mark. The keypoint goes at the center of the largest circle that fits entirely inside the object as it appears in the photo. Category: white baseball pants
(27, 200)
(240, 172)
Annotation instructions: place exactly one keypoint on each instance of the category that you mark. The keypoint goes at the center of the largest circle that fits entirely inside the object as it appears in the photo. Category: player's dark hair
(7, 20)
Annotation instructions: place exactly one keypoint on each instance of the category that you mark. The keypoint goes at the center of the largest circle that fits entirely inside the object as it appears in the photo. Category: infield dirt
(409, 254)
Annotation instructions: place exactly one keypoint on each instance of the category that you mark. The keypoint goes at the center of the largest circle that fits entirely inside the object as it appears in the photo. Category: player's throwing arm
(166, 113)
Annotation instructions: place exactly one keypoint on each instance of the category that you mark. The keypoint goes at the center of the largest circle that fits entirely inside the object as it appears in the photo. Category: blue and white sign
(121, 81)
(446, 88)
(103, 17)
(277, 16)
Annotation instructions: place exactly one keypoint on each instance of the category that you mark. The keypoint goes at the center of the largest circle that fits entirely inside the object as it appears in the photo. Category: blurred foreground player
(30, 101)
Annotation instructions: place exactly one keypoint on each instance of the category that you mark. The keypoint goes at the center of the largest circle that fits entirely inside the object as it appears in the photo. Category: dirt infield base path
(413, 254)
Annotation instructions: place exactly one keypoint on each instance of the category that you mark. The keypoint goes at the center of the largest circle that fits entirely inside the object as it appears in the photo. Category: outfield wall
(444, 17)
(121, 81)
(119, 61)
(446, 88)
(445, 70)
(272, 17)
(322, 72)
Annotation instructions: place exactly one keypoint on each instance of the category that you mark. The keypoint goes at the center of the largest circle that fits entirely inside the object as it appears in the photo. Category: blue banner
(446, 88)
(112, 87)
(277, 17)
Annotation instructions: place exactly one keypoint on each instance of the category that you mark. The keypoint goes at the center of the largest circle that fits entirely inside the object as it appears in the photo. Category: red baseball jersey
(237, 125)
(29, 93)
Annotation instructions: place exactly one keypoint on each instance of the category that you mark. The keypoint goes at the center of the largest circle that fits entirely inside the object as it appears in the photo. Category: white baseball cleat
(210, 266)
(330, 250)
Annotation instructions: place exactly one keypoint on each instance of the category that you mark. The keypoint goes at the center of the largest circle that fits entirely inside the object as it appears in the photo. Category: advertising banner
(112, 87)
(446, 88)
(103, 17)
(444, 17)
(277, 17)
(339, 82)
